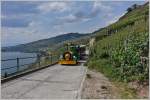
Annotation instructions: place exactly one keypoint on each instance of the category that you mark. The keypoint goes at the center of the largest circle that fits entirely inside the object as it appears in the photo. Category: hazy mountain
(44, 43)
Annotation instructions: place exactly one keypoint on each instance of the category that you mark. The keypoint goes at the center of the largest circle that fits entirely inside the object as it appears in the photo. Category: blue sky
(27, 21)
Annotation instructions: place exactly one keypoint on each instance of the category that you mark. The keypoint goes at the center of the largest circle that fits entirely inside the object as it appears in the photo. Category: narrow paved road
(55, 82)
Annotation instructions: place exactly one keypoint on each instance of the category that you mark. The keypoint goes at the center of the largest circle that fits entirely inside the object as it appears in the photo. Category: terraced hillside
(120, 50)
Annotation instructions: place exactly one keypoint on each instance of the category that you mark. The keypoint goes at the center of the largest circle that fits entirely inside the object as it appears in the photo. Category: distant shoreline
(20, 51)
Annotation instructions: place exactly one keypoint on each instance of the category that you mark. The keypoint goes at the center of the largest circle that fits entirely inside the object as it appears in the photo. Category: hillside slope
(45, 43)
(120, 50)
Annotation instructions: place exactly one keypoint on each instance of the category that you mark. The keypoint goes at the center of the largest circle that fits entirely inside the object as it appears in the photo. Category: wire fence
(40, 61)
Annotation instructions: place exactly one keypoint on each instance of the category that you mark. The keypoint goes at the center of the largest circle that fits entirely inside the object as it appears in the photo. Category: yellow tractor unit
(70, 56)
(68, 59)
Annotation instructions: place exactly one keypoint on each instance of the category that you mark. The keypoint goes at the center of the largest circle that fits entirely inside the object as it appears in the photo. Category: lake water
(13, 63)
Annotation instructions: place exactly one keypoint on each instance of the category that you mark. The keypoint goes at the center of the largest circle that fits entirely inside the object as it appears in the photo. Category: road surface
(55, 82)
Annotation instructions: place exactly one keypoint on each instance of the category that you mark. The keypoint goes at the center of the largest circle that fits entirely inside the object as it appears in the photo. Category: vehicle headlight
(74, 57)
(61, 57)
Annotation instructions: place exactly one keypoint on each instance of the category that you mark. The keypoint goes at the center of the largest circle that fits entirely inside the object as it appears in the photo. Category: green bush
(128, 58)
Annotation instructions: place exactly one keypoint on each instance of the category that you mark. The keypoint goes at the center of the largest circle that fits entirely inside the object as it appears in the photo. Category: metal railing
(40, 61)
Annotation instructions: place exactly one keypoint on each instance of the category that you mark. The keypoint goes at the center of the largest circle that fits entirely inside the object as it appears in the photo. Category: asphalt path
(55, 82)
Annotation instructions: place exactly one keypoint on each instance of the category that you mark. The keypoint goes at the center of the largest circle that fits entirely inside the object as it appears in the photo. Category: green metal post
(38, 59)
(17, 64)
(51, 59)
(5, 75)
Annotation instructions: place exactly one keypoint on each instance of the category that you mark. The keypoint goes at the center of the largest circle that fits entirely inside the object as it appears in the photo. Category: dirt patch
(143, 92)
(97, 86)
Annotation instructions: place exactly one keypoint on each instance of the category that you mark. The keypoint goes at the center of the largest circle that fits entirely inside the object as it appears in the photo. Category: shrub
(128, 58)
(104, 55)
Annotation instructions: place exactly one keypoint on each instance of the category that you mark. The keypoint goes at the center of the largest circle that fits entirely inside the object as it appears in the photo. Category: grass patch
(124, 91)
(104, 66)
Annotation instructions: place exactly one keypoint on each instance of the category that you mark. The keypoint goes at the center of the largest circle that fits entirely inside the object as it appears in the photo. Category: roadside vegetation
(120, 50)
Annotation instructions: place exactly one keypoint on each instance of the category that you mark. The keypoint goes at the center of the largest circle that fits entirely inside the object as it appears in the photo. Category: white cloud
(54, 6)
(98, 5)
(68, 19)
(83, 16)
(2, 16)
(71, 18)
(34, 24)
